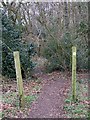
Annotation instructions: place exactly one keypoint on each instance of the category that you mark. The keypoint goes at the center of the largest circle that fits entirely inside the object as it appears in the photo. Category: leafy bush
(11, 41)
(59, 53)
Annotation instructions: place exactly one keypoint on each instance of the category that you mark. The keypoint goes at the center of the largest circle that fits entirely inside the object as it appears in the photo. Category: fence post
(74, 73)
(19, 79)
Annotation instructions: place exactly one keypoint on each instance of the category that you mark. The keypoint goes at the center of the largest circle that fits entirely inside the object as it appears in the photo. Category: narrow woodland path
(51, 99)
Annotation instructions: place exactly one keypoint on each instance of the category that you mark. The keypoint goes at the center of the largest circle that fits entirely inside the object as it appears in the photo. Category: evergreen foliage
(58, 52)
(11, 41)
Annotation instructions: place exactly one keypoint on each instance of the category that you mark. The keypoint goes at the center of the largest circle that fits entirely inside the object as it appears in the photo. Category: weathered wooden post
(74, 73)
(19, 79)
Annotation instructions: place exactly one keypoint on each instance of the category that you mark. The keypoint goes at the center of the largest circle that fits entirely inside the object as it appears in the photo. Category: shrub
(59, 53)
(11, 41)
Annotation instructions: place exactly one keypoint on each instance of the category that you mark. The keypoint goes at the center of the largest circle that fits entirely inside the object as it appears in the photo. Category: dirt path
(51, 100)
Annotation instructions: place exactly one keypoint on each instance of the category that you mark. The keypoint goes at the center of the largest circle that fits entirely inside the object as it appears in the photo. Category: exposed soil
(51, 99)
(54, 91)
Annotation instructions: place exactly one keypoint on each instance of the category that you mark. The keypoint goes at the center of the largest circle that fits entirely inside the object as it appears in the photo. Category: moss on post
(19, 78)
(74, 73)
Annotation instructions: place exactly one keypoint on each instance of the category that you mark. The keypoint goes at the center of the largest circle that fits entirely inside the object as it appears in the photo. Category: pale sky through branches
(46, 0)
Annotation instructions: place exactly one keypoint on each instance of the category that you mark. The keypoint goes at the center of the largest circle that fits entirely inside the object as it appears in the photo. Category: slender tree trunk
(66, 16)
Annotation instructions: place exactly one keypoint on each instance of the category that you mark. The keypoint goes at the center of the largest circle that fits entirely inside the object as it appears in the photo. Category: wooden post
(19, 79)
(74, 73)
